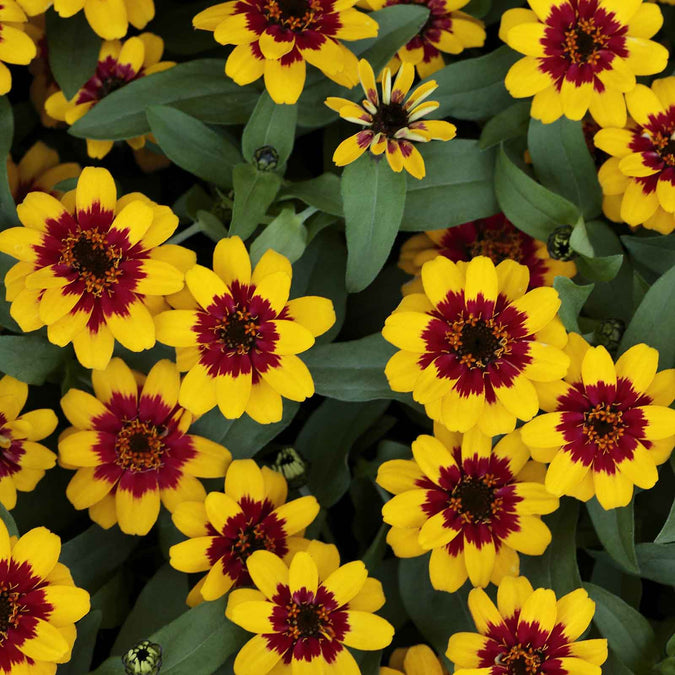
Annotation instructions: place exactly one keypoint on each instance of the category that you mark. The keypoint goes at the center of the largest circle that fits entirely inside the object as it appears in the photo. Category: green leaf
(667, 533)
(628, 633)
(286, 234)
(655, 253)
(509, 123)
(198, 88)
(83, 650)
(530, 206)
(325, 442)
(657, 562)
(193, 146)
(473, 89)
(8, 520)
(322, 192)
(604, 268)
(654, 321)
(563, 163)
(459, 174)
(8, 215)
(374, 197)
(616, 530)
(270, 124)
(254, 192)
(573, 298)
(73, 50)
(29, 358)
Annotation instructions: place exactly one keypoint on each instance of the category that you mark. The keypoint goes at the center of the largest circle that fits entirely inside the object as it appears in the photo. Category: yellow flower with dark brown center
(16, 46)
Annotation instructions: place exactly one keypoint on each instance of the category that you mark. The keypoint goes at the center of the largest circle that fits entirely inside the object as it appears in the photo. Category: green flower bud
(609, 333)
(143, 659)
(266, 158)
(558, 244)
(290, 464)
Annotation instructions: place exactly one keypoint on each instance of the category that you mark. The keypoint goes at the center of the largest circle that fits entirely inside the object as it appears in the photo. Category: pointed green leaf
(616, 530)
(254, 192)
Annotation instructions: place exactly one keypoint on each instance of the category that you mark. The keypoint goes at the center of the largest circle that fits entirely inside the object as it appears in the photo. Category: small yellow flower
(417, 660)
(16, 46)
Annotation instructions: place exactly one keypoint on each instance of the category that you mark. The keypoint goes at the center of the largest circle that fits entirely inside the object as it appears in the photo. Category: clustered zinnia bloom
(22, 461)
(226, 528)
(472, 506)
(495, 237)
(275, 39)
(91, 267)
(607, 425)
(582, 55)
(474, 342)
(109, 20)
(39, 603)
(237, 334)
(392, 123)
(417, 660)
(39, 170)
(638, 180)
(446, 30)
(16, 45)
(118, 64)
(306, 613)
(131, 447)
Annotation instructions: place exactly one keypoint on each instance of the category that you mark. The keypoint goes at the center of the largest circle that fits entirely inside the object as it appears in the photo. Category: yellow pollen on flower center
(476, 341)
(604, 426)
(294, 15)
(498, 246)
(139, 446)
(473, 499)
(252, 538)
(238, 332)
(665, 145)
(10, 609)
(521, 660)
(583, 42)
(308, 620)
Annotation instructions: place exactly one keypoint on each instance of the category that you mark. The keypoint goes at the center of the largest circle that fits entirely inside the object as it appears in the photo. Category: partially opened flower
(43, 84)
(390, 125)
(240, 336)
(472, 506)
(582, 55)
(528, 632)
(22, 461)
(275, 39)
(638, 180)
(39, 170)
(91, 266)
(417, 660)
(131, 447)
(16, 46)
(307, 613)
(607, 425)
(226, 528)
(118, 64)
(109, 20)
(474, 342)
(40, 603)
(494, 237)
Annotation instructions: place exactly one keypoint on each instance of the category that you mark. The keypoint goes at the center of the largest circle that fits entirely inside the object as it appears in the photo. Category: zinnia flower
(16, 46)
(494, 237)
(22, 460)
(390, 125)
(306, 613)
(473, 343)
(109, 20)
(638, 180)
(582, 55)
(131, 448)
(472, 506)
(39, 170)
(89, 265)
(446, 30)
(607, 425)
(39, 603)
(225, 529)
(274, 39)
(529, 631)
(417, 660)
(118, 64)
(239, 338)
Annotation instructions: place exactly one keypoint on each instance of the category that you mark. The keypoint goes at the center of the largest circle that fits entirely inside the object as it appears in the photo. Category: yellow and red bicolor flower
(226, 528)
(417, 660)
(472, 506)
(16, 46)
(274, 38)
(582, 55)
(109, 20)
(472, 344)
(307, 613)
(131, 447)
(238, 334)
(446, 30)
(91, 268)
(39, 170)
(528, 631)
(638, 180)
(39, 603)
(22, 461)
(494, 237)
(607, 425)
(118, 64)
(391, 124)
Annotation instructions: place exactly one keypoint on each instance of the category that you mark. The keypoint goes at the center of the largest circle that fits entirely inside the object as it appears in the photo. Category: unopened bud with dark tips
(145, 658)
(290, 464)
(558, 244)
(266, 158)
(609, 333)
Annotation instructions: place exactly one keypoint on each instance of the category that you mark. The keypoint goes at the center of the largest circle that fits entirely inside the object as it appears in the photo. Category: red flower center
(294, 15)
(110, 76)
(522, 660)
(473, 499)
(308, 620)
(603, 425)
(238, 331)
(9, 610)
(389, 118)
(139, 446)
(584, 41)
(253, 537)
(477, 342)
